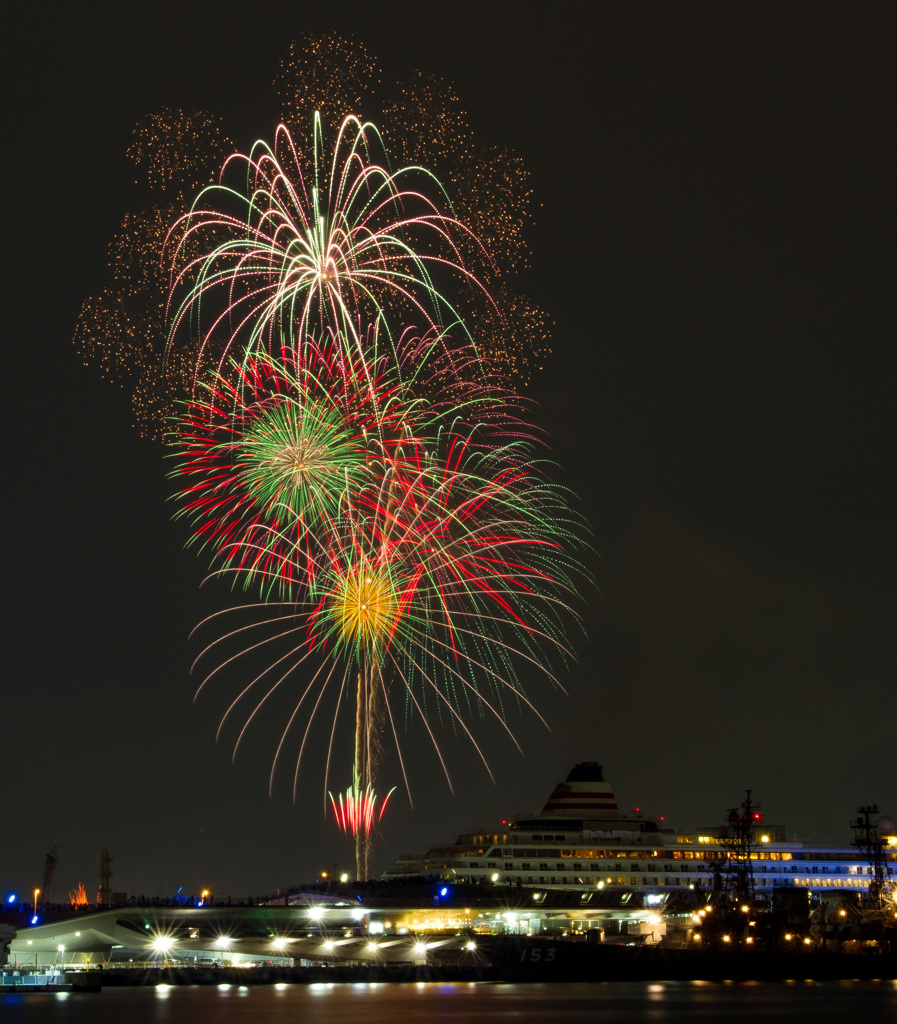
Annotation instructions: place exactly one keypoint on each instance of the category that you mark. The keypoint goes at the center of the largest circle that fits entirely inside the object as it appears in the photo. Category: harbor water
(470, 1003)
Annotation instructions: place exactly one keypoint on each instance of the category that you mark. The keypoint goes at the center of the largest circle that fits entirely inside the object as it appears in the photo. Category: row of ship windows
(705, 855)
(543, 866)
(575, 854)
(827, 883)
(502, 839)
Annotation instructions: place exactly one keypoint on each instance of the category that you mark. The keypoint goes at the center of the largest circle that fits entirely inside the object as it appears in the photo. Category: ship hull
(531, 959)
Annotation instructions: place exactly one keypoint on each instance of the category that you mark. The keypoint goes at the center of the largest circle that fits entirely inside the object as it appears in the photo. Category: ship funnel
(584, 794)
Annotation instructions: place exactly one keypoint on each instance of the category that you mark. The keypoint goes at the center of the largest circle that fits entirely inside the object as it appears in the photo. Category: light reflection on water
(472, 1003)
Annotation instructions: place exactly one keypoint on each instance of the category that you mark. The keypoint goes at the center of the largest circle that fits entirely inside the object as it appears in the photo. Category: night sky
(715, 246)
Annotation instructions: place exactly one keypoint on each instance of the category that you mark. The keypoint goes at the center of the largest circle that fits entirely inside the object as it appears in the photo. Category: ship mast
(867, 839)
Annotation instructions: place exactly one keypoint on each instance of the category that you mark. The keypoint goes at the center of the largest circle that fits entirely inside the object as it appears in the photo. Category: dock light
(316, 913)
(34, 920)
(203, 896)
(11, 898)
(726, 938)
(344, 878)
(36, 894)
(443, 891)
(328, 946)
(494, 876)
(471, 945)
(745, 909)
(806, 942)
(787, 936)
(419, 948)
(372, 947)
(162, 943)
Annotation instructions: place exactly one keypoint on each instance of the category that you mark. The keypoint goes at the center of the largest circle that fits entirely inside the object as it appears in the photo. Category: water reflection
(471, 1003)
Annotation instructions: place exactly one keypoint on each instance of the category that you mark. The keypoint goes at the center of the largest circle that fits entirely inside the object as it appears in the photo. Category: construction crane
(49, 871)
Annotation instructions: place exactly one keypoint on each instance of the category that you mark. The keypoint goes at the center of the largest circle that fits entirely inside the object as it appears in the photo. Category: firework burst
(328, 246)
(356, 811)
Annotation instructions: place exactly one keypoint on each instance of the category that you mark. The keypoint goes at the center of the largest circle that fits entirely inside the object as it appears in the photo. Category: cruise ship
(581, 841)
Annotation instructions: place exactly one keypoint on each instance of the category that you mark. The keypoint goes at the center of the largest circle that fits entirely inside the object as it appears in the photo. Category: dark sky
(715, 245)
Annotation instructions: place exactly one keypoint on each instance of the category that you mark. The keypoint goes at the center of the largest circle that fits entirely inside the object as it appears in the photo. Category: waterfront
(473, 1003)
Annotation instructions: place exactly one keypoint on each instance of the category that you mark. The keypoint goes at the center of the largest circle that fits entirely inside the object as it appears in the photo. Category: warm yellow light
(726, 938)
(363, 606)
(764, 839)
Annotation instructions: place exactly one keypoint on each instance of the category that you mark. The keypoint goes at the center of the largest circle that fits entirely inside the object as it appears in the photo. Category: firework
(328, 73)
(309, 253)
(357, 811)
(122, 329)
(266, 456)
(375, 485)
